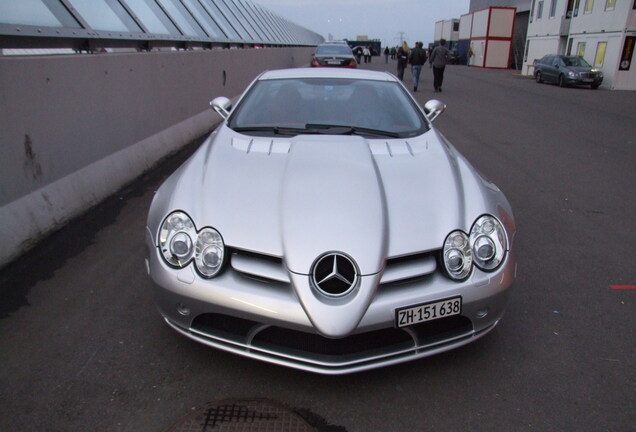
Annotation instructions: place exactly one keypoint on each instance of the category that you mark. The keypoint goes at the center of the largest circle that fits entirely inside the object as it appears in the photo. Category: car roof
(327, 73)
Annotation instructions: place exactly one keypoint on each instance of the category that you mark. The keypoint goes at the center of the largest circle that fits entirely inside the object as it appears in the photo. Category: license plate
(428, 312)
(588, 79)
(333, 62)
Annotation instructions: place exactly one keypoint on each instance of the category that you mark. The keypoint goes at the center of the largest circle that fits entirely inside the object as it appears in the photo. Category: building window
(553, 5)
(570, 46)
(589, 5)
(610, 5)
(580, 49)
(577, 4)
(540, 10)
(600, 54)
(532, 9)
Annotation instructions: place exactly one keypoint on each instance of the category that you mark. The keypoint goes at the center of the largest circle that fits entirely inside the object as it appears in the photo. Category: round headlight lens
(488, 242)
(176, 239)
(457, 255)
(210, 252)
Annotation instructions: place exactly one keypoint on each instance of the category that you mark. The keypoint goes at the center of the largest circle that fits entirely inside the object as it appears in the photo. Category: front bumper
(578, 81)
(263, 319)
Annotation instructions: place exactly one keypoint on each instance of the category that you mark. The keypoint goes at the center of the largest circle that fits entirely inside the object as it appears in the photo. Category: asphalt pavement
(82, 347)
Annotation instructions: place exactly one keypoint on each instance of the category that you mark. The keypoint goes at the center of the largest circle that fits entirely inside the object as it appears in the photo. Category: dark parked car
(566, 70)
(333, 55)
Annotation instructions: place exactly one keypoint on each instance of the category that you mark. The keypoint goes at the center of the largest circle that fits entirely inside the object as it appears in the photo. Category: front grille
(397, 270)
(278, 337)
(312, 347)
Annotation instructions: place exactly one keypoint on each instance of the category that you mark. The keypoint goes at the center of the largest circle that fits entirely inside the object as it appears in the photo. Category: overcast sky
(386, 20)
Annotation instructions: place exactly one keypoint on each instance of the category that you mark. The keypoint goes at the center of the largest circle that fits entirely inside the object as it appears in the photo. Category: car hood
(300, 197)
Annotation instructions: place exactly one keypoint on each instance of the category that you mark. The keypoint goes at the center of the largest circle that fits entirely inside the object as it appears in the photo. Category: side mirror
(222, 105)
(434, 108)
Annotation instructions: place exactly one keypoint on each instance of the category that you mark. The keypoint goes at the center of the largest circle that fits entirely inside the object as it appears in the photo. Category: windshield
(576, 62)
(333, 49)
(328, 106)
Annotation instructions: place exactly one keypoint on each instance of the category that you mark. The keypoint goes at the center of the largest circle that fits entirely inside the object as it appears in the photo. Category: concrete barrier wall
(75, 129)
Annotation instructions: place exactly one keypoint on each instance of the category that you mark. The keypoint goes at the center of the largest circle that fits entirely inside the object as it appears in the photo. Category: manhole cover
(242, 415)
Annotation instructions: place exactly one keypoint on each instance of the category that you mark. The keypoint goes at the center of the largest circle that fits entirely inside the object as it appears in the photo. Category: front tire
(562, 81)
(594, 86)
(537, 78)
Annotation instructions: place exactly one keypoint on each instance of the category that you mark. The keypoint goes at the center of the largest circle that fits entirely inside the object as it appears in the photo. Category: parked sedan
(326, 225)
(567, 70)
(333, 55)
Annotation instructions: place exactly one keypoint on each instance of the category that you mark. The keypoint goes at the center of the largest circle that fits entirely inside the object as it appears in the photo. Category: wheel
(594, 86)
(537, 77)
(561, 81)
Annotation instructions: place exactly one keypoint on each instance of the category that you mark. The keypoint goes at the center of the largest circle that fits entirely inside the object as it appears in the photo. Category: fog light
(482, 313)
(183, 309)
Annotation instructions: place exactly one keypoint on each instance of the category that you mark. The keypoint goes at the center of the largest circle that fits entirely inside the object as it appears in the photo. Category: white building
(490, 32)
(601, 31)
(448, 30)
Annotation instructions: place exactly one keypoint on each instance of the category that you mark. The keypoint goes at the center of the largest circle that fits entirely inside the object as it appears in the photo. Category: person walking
(367, 54)
(358, 53)
(417, 58)
(402, 59)
(438, 60)
(387, 52)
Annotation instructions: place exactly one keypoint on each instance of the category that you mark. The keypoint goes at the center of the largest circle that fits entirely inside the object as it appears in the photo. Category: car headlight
(458, 258)
(488, 242)
(180, 243)
(573, 74)
(176, 239)
(209, 252)
(484, 247)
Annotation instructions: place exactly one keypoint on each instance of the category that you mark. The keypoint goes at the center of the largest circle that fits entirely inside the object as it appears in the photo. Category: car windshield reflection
(333, 106)
(576, 62)
(333, 50)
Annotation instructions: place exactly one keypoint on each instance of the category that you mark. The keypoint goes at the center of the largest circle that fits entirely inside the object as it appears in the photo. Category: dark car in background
(333, 55)
(566, 71)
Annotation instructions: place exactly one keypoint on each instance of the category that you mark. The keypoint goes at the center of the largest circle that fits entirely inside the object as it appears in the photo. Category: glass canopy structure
(91, 25)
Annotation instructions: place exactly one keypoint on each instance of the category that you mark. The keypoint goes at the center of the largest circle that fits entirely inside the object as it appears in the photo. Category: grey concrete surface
(83, 348)
(74, 129)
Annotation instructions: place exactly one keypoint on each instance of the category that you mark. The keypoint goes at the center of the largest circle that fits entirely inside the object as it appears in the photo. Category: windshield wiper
(319, 129)
(272, 129)
(336, 129)
(378, 132)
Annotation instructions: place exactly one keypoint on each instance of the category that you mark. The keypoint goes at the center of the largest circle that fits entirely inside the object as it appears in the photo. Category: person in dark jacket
(402, 59)
(417, 58)
(439, 58)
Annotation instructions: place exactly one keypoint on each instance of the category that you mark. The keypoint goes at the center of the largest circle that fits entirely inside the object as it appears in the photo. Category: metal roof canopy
(93, 25)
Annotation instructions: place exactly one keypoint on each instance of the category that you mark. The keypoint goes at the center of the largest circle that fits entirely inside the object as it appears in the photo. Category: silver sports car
(325, 225)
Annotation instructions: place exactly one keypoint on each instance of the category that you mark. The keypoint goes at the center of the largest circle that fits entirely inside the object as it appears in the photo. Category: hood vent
(261, 145)
(396, 148)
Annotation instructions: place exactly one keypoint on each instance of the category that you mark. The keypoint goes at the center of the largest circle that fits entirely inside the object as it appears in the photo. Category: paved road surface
(82, 347)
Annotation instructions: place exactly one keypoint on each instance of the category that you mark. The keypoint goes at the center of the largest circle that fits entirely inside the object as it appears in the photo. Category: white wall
(612, 53)
(501, 23)
(480, 23)
(498, 54)
(75, 129)
(465, 26)
(601, 20)
(546, 25)
(439, 30)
